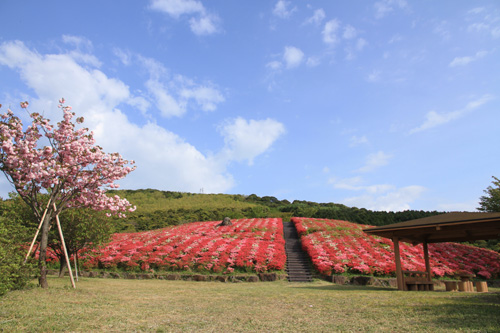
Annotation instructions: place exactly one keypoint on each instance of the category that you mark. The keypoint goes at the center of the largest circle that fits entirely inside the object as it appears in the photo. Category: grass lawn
(159, 305)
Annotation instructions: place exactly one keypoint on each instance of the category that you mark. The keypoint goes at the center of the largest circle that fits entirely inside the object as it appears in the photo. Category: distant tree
(84, 228)
(69, 171)
(491, 201)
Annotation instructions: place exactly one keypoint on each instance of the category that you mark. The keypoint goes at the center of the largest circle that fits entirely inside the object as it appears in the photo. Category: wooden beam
(397, 259)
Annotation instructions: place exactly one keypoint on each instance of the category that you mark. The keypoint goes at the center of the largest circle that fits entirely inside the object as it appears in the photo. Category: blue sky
(386, 105)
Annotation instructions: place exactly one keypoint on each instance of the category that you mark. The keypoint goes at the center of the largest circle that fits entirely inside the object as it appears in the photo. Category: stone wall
(265, 277)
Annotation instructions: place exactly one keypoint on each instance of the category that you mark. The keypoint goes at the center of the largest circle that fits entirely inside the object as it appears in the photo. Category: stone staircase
(297, 261)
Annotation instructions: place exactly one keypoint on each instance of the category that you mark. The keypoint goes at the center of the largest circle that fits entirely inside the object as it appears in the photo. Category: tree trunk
(42, 258)
(63, 267)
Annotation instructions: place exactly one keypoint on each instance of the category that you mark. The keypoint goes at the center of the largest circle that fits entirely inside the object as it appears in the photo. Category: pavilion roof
(449, 227)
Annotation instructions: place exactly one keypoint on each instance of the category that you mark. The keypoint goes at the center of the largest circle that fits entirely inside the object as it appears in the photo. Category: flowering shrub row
(249, 244)
(339, 246)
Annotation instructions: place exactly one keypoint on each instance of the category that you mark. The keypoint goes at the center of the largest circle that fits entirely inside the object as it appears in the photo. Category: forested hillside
(158, 209)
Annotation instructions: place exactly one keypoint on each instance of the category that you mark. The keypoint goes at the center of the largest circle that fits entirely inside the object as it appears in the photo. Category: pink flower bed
(249, 244)
(339, 246)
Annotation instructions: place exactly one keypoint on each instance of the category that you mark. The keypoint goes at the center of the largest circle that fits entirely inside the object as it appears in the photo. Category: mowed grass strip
(177, 306)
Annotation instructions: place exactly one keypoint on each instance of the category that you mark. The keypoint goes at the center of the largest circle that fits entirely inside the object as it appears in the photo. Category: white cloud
(384, 7)
(318, 17)
(313, 61)
(176, 8)
(282, 9)
(462, 61)
(388, 198)
(374, 161)
(206, 97)
(274, 65)
(201, 22)
(495, 32)
(356, 141)
(443, 29)
(330, 32)
(351, 184)
(164, 160)
(173, 95)
(292, 56)
(168, 105)
(349, 32)
(244, 140)
(484, 21)
(383, 197)
(204, 25)
(434, 119)
(124, 56)
(361, 43)
(374, 76)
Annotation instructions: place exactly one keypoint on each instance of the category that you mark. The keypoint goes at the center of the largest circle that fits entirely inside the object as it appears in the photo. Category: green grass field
(179, 306)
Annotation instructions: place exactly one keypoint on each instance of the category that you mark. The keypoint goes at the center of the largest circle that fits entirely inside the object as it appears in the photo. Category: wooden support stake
(64, 248)
(37, 231)
(76, 268)
(397, 258)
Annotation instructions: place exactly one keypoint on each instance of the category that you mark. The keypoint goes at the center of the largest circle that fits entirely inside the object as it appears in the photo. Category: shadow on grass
(474, 312)
(337, 287)
(433, 309)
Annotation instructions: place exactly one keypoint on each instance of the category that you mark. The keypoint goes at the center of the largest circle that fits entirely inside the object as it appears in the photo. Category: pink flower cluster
(249, 244)
(339, 246)
(71, 163)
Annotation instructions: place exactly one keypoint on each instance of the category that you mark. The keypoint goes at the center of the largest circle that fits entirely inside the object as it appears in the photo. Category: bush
(14, 274)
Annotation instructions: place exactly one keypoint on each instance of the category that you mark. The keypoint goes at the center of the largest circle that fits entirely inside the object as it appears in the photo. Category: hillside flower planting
(336, 247)
(248, 245)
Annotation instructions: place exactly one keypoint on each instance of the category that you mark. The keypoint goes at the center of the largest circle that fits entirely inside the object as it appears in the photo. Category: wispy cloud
(282, 9)
(374, 76)
(357, 140)
(330, 31)
(433, 118)
(381, 197)
(374, 161)
(391, 199)
(483, 20)
(201, 21)
(385, 7)
(462, 61)
(318, 17)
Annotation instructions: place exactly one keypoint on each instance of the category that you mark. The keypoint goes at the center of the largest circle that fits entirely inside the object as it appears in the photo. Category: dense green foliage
(14, 273)
(352, 214)
(82, 228)
(491, 201)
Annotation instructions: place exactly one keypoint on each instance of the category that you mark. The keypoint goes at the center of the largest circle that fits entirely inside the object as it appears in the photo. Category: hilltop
(158, 209)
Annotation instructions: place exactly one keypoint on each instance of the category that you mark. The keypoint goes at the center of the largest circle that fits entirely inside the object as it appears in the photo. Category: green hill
(158, 209)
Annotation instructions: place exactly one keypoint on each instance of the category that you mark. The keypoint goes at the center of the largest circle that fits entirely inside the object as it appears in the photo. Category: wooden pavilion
(450, 227)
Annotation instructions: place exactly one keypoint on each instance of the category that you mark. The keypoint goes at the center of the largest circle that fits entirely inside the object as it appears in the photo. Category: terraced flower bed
(249, 245)
(339, 246)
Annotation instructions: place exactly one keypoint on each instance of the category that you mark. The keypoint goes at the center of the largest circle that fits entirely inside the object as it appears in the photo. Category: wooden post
(397, 258)
(37, 231)
(427, 261)
(76, 267)
(64, 248)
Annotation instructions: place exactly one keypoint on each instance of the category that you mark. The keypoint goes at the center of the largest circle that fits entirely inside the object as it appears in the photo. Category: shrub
(14, 273)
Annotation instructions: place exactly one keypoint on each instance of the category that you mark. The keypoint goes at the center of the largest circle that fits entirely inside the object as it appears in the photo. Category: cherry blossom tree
(54, 168)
